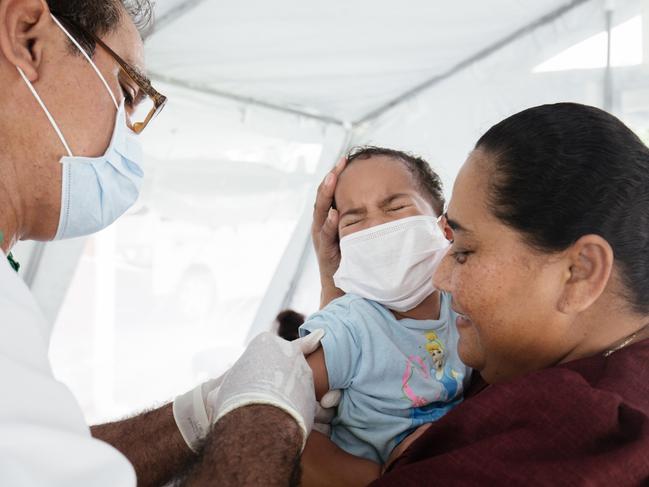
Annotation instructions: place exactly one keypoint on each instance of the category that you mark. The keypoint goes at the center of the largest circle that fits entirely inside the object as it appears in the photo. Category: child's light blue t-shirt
(395, 374)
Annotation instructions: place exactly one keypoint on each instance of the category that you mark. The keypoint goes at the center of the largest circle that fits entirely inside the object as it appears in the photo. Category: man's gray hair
(100, 17)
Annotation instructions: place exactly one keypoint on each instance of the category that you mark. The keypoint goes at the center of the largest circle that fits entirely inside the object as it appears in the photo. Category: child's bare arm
(324, 464)
(320, 378)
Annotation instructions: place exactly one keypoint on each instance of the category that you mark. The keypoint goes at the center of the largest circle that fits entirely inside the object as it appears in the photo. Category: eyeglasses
(146, 103)
(143, 104)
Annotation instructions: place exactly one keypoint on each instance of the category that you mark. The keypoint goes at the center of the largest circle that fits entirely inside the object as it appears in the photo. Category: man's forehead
(127, 43)
(137, 65)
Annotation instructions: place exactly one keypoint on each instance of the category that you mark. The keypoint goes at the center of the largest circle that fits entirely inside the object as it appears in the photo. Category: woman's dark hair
(429, 182)
(288, 323)
(567, 170)
(98, 17)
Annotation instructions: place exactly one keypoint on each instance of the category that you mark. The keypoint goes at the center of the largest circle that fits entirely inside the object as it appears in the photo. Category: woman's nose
(441, 278)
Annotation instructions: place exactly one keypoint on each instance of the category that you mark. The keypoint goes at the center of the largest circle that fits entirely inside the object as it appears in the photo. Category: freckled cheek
(477, 292)
(467, 283)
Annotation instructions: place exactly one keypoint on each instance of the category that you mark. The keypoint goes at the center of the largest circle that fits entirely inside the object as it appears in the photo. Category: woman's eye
(397, 208)
(461, 257)
(350, 223)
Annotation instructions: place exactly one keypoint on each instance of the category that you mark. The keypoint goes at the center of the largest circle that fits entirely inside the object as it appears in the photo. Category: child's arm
(319, 368)
(324, 464)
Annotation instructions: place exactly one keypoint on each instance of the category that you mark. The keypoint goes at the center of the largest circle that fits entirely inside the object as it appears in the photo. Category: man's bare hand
(324, 232)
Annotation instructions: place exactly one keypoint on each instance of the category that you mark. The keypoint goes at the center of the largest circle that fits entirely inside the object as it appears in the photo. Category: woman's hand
(403, 446)
(324, 233)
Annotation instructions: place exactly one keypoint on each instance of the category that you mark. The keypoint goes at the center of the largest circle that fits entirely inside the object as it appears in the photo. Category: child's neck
(428, 309)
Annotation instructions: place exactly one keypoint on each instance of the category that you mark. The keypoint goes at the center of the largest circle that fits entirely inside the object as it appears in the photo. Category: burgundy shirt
(580, 423)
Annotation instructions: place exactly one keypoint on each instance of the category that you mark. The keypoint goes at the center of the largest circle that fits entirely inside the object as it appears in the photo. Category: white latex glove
(326, 410)
(271, 371)
(195, 417)
(190, 413)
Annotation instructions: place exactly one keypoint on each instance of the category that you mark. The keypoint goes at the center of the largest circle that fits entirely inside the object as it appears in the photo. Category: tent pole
(608, 74)
(207, 90)
(282, 286)
(344, 147)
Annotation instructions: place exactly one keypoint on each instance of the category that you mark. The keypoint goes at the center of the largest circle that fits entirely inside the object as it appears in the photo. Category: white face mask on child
(392, 264)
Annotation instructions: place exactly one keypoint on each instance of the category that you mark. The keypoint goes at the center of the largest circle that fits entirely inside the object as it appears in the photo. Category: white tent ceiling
(340, 60)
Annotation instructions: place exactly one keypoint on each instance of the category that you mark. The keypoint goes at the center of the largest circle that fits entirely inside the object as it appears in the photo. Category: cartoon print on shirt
(431, 367)
(414, 364)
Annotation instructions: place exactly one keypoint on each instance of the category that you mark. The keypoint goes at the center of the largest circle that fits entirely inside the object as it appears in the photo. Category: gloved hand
(194, 411)
(271, 371)
(326, 410)
(190, 413)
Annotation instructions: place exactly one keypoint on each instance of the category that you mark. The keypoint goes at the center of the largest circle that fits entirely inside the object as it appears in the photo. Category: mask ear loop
(85, 54)
(47, 113)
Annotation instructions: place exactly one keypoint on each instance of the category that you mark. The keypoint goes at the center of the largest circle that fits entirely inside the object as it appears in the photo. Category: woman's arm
(324, 464)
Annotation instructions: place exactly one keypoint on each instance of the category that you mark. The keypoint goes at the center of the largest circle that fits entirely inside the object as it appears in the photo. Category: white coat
(44, 440)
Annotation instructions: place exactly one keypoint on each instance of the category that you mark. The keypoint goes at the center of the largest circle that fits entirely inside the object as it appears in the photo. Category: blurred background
(264, 97)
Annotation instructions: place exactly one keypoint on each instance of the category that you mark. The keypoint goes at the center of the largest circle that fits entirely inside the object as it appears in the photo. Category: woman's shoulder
(590, 391)
(563, 419)
(621, 374)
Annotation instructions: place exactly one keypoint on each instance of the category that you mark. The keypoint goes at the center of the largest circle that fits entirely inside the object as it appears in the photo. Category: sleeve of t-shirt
(340, 342)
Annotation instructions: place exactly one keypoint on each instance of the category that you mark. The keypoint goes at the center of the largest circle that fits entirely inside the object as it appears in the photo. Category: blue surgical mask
(96, 190)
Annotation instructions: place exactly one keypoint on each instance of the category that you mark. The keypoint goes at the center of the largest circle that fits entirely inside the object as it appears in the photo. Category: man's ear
(589, 264)
(23, 24)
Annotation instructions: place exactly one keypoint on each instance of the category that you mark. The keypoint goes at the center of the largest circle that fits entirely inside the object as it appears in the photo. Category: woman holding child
(548, 270)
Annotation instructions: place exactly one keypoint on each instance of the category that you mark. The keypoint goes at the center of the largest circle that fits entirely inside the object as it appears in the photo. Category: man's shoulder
(23, 328)
(38, 414)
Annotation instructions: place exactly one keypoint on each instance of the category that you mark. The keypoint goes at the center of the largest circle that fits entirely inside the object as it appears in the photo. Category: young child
(390, 342)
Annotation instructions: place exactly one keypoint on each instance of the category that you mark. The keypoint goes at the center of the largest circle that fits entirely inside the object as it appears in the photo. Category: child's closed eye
(349, 223)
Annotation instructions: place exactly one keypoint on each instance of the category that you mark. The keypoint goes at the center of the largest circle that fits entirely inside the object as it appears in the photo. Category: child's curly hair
(429, 182)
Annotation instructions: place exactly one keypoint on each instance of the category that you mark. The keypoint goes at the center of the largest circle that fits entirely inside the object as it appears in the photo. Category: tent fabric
(443, 123)
(341, 59)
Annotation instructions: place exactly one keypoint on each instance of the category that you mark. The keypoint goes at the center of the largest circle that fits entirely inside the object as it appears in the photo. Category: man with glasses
(74, 100)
